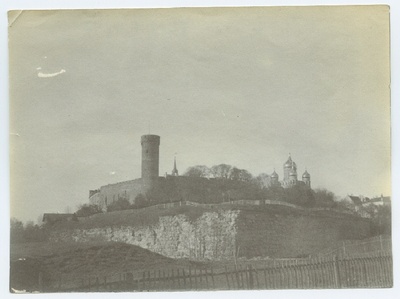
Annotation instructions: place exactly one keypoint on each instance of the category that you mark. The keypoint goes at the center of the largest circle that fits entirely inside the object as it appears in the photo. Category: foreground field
(49, 264)
(96, 266)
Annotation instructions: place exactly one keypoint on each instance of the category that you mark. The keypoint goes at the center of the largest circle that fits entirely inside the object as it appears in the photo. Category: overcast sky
(238, 86)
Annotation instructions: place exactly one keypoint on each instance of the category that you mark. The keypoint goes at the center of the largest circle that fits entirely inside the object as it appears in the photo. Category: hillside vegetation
(150, 215)
(72, 262)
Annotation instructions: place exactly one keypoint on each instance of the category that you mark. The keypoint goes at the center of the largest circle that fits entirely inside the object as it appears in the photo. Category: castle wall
(112, 192)
(210, 236)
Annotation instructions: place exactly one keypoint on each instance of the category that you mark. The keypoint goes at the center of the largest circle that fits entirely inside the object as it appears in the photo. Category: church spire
(175, 170)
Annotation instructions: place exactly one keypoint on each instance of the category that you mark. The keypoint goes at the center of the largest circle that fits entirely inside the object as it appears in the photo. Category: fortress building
(173, 186)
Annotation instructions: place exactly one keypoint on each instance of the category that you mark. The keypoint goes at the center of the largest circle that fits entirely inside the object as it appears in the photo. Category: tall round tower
(150, 160)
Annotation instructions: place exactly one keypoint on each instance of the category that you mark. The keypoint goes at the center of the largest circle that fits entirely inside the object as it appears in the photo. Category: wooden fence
(329, 272)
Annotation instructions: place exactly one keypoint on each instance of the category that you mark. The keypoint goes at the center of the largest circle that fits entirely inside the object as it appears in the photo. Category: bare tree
(263, 180)
(198, 171)
(221, 171)
(237, 174)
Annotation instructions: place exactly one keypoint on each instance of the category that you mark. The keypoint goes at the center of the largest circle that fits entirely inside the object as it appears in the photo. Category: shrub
(87, 210)
(140, 201)
(20, 233)
(119, 205)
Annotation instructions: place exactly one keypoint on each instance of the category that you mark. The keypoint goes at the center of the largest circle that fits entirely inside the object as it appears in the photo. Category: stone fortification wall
(272, 231)
(210, 236)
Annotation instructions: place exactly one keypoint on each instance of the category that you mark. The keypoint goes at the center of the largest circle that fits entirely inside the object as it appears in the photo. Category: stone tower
(307, 178)
(274, 178)
(150, 161)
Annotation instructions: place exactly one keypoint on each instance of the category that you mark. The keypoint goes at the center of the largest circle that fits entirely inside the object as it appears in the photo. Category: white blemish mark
(39, 68)
(44, 75)
(112, 172)
(18, 291)
(15, 134)
(223, 113)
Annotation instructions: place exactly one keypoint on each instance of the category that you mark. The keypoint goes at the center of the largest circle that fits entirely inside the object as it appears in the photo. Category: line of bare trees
(228, 172)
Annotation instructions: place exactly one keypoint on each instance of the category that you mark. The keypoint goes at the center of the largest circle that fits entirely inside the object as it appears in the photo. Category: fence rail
(374, 271)
(361, 247)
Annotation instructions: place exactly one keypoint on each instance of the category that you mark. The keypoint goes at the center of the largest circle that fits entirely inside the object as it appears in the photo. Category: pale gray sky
(237, 86)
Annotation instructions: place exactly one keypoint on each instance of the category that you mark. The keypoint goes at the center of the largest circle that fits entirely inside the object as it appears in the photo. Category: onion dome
(306, 175)
(288, 162)
(274, 175)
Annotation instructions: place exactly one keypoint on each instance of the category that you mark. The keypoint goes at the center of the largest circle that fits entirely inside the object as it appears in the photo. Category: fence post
(195, 279)
(190, 278)
(365, 271)
(241, 277)
(160, 280)
(206, 274)
(337, 272)
(256, 275)
(212, 278)
(40, 282)
(178, 278)
(251, 278)
(265, 274)
(184, 279)
(237, 278)
(227, 278)
(164, 277)
(59, 282)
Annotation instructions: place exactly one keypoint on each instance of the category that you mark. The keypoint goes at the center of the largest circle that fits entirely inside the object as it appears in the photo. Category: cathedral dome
(306, 175)
(288, 163)
(292, 173)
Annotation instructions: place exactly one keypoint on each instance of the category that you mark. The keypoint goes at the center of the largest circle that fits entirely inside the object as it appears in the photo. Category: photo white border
(6, 5)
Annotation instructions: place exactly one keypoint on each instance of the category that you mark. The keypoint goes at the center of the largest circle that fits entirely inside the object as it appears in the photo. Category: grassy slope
(76, 261)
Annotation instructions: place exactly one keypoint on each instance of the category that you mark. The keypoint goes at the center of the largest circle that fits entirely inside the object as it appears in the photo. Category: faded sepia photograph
(188, 149)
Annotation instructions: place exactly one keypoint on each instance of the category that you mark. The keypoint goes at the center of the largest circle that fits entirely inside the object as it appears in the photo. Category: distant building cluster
(290, 176)
(364, 205)
(150, 178)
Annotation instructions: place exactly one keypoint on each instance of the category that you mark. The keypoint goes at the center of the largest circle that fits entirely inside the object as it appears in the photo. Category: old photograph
(188, 149)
